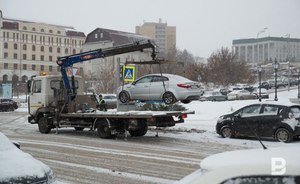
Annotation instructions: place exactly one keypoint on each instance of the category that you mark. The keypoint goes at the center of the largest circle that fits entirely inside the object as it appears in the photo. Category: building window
(42, 48)
(66, 51)
(74, 51)
(15, 66)
(58, 68)
(50, 31)
(33, 57)
(24, 47)
(24, 67)
(24, 56)
(33, 67)
(50, 58)
(58, 32)
(58, 50)
(42, 67)
(33, 29)
(50, 49)
(5, 45)
(5, 55)
(50, 68)
(5, 65)
(42, 30)
(42, 57)
(15, 46)
(15, 56)
(33, 47)
(24, 28)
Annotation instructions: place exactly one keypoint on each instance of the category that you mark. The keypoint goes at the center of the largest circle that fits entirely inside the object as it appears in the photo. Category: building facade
(106, 69)
(163, 35)
(29, 48)
(267, 49)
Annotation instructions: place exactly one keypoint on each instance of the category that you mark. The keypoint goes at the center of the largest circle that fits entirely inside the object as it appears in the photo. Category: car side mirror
(29, 86)
(237, 116)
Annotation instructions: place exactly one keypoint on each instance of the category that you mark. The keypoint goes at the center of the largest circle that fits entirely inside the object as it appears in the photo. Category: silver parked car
(166, 87)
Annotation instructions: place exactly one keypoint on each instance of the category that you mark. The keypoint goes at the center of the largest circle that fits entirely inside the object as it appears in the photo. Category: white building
(267, 49)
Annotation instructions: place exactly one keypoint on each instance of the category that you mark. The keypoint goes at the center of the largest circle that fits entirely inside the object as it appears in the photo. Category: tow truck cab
(46, 92)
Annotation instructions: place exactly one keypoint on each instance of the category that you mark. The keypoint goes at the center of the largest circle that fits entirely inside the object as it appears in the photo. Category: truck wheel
(143, 128)
(124, 96)
(103, 129)
(78, 128)
(44, 126)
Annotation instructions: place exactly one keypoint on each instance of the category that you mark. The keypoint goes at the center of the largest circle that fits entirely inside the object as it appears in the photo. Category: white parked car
(19, 167)
(272, 165)
(240, 95)
(166, 87)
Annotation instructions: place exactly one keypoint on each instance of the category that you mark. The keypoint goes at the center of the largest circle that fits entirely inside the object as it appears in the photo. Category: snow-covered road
(82, 157)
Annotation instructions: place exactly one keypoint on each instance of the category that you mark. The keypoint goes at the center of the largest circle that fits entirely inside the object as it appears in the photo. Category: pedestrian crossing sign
(129, 73)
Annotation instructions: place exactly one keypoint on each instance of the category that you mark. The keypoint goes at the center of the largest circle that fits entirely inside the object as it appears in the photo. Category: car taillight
(183, 116)
(183, 85)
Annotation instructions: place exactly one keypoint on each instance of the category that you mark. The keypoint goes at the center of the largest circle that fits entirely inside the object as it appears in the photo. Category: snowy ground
(174, 154)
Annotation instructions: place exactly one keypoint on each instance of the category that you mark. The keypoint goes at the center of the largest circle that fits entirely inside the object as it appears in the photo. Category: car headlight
(220, 119)
(51, 177)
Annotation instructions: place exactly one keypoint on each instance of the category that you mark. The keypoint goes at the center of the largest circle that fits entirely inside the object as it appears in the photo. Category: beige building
(29, 48)
(164, 35)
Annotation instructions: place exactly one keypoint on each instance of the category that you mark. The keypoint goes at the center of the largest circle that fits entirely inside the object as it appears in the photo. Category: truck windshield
(58, 84)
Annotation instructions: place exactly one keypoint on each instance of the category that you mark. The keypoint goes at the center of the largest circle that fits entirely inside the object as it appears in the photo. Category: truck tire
(143, 128)
(103, 129)
(44, 126)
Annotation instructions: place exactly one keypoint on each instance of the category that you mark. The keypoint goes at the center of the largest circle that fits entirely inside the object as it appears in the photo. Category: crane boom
(68, 61)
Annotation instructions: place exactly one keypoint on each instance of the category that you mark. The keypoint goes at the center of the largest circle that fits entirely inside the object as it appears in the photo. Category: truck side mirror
(29, 86)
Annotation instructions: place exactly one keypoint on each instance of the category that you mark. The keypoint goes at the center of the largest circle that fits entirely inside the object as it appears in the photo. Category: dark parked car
(17, 166)
(8, 105)
(280, 122)
(265, 85)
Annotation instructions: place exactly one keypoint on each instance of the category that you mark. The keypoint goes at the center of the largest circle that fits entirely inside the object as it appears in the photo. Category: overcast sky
(203, 26)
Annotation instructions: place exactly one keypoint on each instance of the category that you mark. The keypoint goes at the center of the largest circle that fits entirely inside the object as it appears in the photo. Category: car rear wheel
(124, 96)
(283, 135)
(169, 98)
(226, 132)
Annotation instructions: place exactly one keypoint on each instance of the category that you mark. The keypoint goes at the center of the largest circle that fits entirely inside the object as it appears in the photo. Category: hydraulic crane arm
(68, 61)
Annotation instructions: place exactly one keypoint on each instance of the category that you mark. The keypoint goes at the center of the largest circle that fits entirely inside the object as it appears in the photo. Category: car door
(157, 87)
(270, 119)
(247, 120)
(36, 97)
(140, 89)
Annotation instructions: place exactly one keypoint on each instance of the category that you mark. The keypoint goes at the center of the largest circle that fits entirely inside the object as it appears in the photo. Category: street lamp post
(259, 78)
(298, 72)
(276, 66)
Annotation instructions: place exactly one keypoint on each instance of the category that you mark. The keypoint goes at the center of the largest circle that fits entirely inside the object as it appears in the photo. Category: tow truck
(57, 101)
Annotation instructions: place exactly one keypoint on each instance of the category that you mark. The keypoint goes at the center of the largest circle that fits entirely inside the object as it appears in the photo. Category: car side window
(37, 86)
(159, 79)
(144, 80)
(270, 110)
(250, 111)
